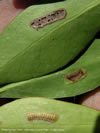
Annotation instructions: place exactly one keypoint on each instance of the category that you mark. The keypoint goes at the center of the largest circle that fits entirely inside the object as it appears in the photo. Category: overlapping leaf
(26, 53)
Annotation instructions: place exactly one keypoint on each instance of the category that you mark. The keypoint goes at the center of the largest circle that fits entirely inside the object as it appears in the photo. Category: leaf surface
(58, 84)
(26, 53)
(71, 118)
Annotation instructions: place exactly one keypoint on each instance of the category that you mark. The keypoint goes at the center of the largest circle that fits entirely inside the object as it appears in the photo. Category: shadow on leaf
(97, 126)
(22, 4)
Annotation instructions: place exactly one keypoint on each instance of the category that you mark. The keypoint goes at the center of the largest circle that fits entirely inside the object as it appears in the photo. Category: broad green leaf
(60, 84)
(71, 118)
(26, 52)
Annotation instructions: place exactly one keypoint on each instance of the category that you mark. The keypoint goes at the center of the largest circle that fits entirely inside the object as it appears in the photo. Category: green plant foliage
(60, 84)
(72, 118)
(26, 52)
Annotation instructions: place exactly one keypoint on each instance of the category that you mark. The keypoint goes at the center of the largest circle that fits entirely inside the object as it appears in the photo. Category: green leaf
(26, 53)
(79, 78)
(72, 118)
